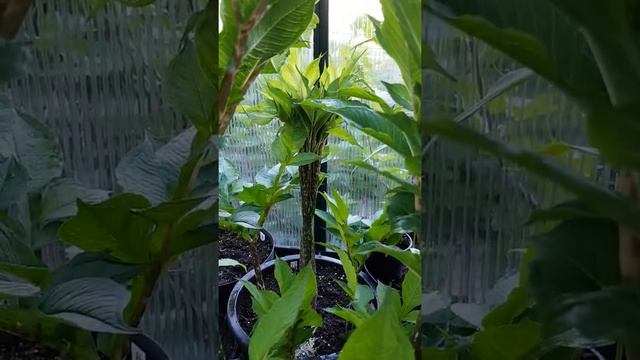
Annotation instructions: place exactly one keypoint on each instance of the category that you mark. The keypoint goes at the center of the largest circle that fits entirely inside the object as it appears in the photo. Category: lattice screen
(476, 206)
(97, 83)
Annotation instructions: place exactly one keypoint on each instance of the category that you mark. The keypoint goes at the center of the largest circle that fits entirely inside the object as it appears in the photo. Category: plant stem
(226, 110)
(309, 175)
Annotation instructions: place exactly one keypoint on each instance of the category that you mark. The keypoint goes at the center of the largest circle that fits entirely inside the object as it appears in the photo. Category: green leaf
(567, 210)
(584, 251)
(190, 90)
(33, 144)
(411, 292)
(230, 262)
(169, 212)
(18, 259)
(16, 288)
(141, 172)
(94, 265)
(368, 341)
(608, 314)
(111, 228)
(471, 313)
(261, 300)
(544, 41)
(301, 159)
(93, 304)
(605, 202)
(272, 327)
(406, 185)
(59, 200)
(518, 301)
(390, 129)
(206, 40)
(13, 181)
(342, 134)
(400, 36)
(354, 317)
(506, 342)
(400, 94)
(408, 258)
(347, 266)
(284, 275)
(613, 132)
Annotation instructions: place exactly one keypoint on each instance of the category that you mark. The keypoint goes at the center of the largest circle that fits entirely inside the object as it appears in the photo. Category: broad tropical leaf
(94, 304)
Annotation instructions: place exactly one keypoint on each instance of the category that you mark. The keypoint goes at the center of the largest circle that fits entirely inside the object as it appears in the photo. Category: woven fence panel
(97, 82)
(476, 205)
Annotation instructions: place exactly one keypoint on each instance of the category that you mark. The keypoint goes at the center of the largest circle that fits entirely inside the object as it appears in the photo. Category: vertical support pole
(321, 48)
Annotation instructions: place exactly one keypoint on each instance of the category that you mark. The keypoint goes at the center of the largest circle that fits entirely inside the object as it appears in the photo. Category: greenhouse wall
(97, 82)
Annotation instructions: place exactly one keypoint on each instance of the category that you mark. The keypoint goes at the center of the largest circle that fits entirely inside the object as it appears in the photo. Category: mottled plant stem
(309, 176)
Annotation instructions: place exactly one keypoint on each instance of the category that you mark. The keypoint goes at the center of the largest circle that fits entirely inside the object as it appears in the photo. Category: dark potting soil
(394, 277)
(327, 339)
(13, 348)
(232, 246)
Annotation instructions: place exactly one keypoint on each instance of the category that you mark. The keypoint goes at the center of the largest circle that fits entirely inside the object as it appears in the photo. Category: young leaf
(273, 326)
(284, 275)
(190, 90)
(380, 336)
(111, 228)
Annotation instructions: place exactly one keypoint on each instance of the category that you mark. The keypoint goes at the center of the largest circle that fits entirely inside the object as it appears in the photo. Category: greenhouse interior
(319, 179)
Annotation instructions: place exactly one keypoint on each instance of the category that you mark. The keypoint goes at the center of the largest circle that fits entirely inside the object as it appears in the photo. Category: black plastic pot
(145, 348)
(384, 268)
(241, 337)
(224, 289)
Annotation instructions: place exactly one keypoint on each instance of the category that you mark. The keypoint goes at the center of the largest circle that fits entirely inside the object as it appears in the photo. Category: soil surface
(331, 336)
(13, 348)
(232, 246)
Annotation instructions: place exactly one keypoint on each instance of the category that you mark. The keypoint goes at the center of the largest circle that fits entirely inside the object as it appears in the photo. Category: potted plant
(355, 232)
(600, 226)
(57, 311)
(246, 218)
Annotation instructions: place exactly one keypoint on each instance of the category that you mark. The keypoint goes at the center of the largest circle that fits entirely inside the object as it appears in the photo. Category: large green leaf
(59, 200)
(380, 336)
(32, 143)
(94, 265)
(141, 172)
(583, 250)
(15, 288)
(111, 228)
(93, 304)
(507, 342)
(190, 90)
(609, 314)
(543, 40)
(17, 258)
(399, 35)
(603, 201)
(396, 131)
(273, 326)
(408, 258)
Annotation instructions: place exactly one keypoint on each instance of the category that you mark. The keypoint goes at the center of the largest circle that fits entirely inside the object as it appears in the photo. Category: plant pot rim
(232, 315)
(270, 257)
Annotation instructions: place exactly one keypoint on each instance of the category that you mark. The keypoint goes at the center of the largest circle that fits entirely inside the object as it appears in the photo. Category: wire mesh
(97, 82)
(477, 206)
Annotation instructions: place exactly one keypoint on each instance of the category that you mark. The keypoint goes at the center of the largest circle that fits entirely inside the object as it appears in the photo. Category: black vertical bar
(321, 48)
